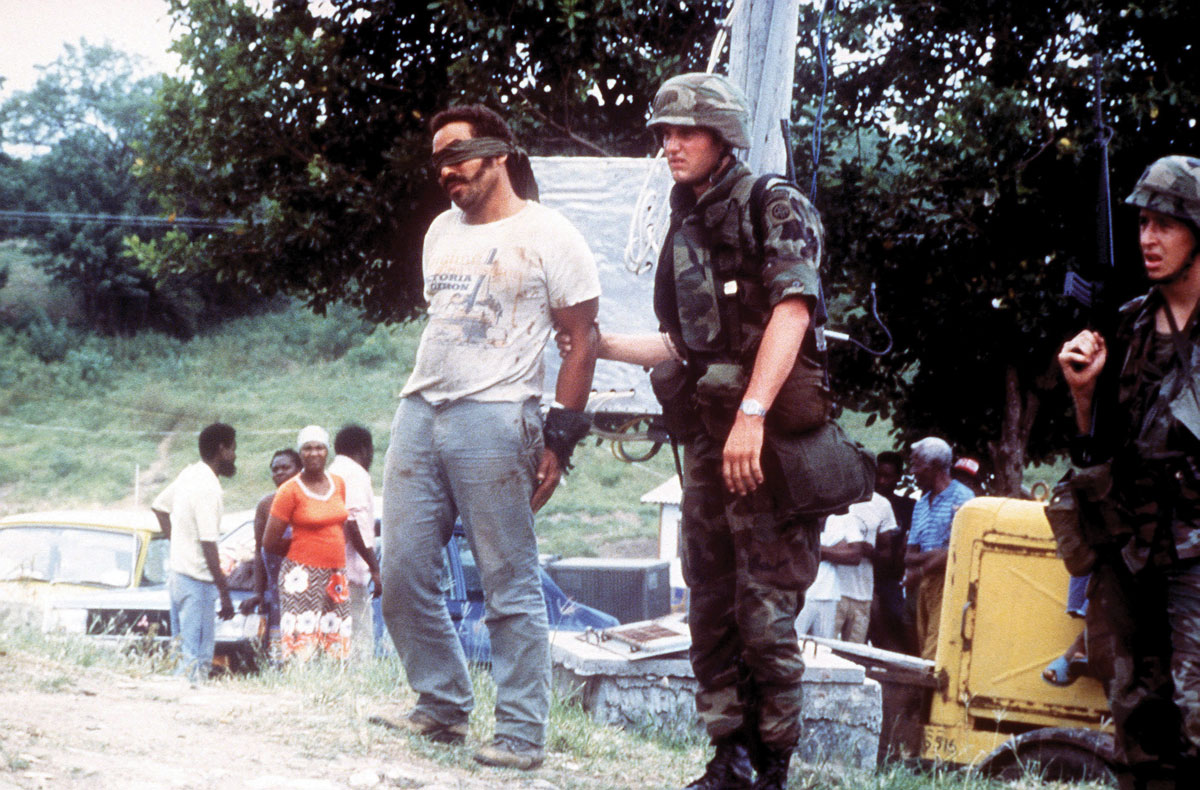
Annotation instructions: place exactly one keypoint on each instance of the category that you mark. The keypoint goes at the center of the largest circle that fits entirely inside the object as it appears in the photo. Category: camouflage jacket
(1154, 436)
(712, 252)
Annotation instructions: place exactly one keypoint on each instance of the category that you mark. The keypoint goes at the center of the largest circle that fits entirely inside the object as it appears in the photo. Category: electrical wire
(141, 220)
(823, 61)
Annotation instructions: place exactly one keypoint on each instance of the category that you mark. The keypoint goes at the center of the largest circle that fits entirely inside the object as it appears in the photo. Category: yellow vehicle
(46, 555)
(1003, 620)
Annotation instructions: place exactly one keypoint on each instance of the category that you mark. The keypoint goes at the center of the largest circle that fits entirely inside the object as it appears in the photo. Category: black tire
(1058, 755)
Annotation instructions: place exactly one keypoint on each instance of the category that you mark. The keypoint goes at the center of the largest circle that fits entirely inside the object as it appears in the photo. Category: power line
(120, 432)
(143, 220)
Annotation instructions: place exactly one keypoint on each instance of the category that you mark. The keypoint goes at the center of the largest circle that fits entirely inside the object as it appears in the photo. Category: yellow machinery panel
(1003, 620)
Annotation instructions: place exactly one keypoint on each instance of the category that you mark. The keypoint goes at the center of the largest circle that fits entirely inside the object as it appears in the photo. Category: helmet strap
(722, 166)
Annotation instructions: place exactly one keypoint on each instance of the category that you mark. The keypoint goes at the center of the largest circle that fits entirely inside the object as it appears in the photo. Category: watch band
(752, 408)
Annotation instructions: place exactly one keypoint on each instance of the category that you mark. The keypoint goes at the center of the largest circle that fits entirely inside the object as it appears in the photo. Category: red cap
(968, 465)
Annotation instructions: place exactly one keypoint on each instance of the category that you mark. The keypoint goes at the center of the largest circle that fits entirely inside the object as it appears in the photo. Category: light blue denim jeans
(193, 624)
(478, 461)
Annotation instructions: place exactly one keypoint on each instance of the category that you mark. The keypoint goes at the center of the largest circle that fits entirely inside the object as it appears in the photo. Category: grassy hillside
(103, 422)
(97, 422)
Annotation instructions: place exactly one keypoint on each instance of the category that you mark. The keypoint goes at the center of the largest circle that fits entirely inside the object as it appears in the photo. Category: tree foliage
(310, 129)
(82, 120)
(961, 176)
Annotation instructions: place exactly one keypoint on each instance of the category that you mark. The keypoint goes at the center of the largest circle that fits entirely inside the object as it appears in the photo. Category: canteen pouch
(721, 385)
(671, 386)
(1082, 517)
(824, 471)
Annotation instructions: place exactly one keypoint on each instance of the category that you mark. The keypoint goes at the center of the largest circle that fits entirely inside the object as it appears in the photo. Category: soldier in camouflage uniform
(1146, 440)
(742, 373)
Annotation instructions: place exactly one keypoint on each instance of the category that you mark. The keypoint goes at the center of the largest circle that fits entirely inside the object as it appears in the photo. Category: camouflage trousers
(747, 570)
(1153, 635)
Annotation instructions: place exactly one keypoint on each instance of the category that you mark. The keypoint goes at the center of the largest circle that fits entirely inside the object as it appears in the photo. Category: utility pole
(762, 62)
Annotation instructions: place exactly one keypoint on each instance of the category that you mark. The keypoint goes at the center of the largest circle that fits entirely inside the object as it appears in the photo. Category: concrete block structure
(842, 707)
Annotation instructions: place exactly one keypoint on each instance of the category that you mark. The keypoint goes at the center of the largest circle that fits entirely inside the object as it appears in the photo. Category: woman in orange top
(313, 594)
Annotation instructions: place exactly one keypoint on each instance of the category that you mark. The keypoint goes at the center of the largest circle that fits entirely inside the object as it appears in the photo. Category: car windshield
(67, 555)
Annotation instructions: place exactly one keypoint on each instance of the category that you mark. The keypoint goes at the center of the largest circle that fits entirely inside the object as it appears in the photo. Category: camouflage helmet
(707, 100)
(1170, 185)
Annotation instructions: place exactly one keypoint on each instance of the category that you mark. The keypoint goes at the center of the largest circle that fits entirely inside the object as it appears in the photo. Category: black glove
(562, 431)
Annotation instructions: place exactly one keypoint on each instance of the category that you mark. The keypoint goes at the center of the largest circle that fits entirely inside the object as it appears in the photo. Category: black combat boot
(729, 769)
(772, 768)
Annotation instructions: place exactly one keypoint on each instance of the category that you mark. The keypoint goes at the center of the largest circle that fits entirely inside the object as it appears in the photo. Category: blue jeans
(193, 623)
(1077, 603)
(271, 595)
(478, 461)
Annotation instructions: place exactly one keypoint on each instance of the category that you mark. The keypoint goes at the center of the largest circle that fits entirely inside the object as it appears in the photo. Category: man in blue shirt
(929, 538)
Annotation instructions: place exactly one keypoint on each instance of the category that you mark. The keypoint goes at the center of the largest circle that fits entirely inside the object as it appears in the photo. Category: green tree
(960, 175)
(83, 119)
(310, 129)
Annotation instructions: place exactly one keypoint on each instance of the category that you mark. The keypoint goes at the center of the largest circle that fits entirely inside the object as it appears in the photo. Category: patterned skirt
(315, 605)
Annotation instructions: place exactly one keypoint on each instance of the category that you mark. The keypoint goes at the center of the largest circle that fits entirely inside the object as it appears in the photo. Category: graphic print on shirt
(467, 302)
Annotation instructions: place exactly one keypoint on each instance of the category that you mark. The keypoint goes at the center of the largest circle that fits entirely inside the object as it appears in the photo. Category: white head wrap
(312, 433)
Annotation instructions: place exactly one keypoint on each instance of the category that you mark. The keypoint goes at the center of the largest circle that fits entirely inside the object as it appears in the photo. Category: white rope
(652, 211)
(648, 224)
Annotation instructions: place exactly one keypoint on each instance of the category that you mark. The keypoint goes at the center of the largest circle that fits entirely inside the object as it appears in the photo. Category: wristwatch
(752, 408)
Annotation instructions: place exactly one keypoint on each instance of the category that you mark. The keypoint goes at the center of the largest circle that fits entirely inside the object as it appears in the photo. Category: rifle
(1090, 293)
(1093, 295)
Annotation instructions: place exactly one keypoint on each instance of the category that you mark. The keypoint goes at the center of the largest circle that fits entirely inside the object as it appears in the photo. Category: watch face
(753, 408)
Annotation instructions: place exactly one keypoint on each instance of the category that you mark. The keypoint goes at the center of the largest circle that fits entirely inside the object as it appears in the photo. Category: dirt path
(67, 727)
(156, 473)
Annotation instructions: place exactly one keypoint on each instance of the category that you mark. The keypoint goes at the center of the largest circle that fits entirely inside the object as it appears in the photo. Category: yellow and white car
(104, 573)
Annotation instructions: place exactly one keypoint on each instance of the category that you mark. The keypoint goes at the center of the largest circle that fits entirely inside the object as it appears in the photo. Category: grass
(105, 422)
(333, 702)
(100, 422)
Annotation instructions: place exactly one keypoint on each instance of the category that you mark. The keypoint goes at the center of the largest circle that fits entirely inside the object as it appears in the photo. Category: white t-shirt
(490, 290)
(874, 517)
(825, 585)
(360, 504)
(194, 502)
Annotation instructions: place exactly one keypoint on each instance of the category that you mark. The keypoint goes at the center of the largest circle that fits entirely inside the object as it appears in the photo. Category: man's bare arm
(646, 350)
(845, 553)
(574, 382)
(213, 559)
(742, 467)
(573, 386)
(164, 523)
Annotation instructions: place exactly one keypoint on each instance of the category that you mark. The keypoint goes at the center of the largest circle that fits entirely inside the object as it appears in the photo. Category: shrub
(50, 341)
(88, 364)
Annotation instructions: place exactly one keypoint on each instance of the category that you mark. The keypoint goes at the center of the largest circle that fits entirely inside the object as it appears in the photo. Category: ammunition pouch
(673, 388)
(718, 392)
(1083, 517)
(824, 471)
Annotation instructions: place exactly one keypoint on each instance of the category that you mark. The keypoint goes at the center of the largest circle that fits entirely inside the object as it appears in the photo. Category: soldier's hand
(548, 474)
(1081, 359)
(742, 463)
(562, 339)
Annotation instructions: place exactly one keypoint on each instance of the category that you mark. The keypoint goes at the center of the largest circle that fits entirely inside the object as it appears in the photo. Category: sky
(33, 33)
